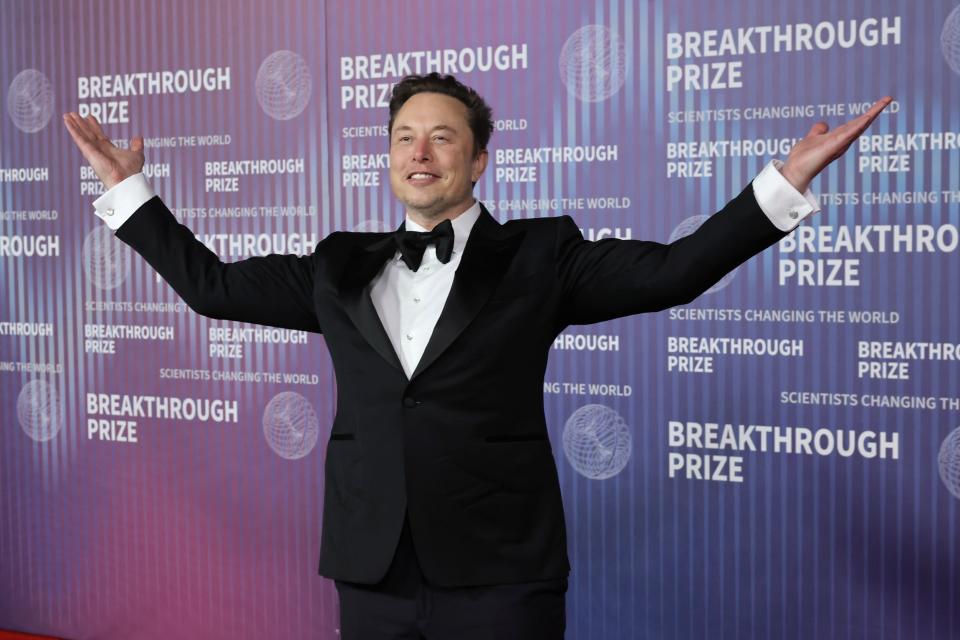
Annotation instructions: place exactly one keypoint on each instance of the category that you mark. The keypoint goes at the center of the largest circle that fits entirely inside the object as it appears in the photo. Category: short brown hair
(479, 114)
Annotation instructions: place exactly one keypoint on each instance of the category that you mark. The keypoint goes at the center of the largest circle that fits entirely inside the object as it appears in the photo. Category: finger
(79, 136)
(864, 119)
(878, 107)
(95, 127)
(818, 128)
(77, 133)
(88, 144)
(93, 141)
(851, 125)
(872, 113)
(82, 127)
(136, 144)
(71, 129)
(882, 103)
(851, 130)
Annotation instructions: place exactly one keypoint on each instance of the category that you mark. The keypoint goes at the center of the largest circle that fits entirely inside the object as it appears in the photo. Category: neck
(428, 220)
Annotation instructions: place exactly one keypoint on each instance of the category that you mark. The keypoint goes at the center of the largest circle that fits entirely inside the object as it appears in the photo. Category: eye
(443, 138)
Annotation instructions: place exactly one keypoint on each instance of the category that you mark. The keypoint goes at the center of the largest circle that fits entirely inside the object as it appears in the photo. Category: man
(442, 511)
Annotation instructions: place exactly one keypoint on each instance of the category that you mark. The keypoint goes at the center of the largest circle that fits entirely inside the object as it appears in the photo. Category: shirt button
(409, 336)
(793, 214)
(409, 402)
(416, 298)
(109, 212)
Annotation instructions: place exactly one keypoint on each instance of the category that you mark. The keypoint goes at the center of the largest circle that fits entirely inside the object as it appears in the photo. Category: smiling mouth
(422, 177)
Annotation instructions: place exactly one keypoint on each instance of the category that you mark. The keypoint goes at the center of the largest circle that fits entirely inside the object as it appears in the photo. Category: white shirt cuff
(782, 203)
(122, 200)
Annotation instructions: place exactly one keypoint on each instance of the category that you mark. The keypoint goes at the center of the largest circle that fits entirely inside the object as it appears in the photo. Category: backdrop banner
(779, 458)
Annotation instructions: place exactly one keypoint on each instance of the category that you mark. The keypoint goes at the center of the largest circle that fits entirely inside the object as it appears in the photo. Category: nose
(421, 149)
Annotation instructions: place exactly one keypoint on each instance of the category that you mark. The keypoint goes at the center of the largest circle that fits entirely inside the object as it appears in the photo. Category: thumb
(818, 128)
(136, 144)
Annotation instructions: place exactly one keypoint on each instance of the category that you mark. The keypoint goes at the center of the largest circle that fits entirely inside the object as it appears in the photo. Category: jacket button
(409, 402)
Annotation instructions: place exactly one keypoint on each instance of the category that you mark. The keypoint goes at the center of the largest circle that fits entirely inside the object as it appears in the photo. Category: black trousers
(404, 606)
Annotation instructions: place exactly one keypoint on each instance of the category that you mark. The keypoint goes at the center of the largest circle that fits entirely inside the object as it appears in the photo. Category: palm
(109, 162)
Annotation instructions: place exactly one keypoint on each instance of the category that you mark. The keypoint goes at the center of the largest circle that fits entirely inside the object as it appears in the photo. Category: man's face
(432, 164)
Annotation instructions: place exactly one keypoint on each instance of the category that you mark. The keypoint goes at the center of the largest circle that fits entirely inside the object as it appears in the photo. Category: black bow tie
(413, 243)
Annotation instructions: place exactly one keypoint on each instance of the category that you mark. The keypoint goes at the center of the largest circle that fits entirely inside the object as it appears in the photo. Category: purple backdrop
(778, 459)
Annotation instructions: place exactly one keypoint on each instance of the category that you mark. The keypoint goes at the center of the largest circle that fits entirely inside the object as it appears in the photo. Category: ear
(479, 165)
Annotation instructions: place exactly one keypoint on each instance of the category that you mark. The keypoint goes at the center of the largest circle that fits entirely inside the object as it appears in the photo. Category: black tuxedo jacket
(461, 445)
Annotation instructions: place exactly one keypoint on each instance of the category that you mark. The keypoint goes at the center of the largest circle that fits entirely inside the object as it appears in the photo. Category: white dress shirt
(409, 302)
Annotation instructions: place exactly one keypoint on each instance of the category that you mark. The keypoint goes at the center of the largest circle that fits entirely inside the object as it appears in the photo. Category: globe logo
(283, 85)
(596, 442)
(688, 226)
(950, 40)
(290, 425)
(39, 411)
(593, 63)
(949, 462)
(106, 260)
(372, 225)
(30, 101)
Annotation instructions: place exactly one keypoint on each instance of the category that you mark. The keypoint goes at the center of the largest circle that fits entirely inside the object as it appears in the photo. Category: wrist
(798, 182)
(110, 181)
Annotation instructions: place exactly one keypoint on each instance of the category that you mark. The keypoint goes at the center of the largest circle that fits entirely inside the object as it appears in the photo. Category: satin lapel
(364, 263)
(488, 253)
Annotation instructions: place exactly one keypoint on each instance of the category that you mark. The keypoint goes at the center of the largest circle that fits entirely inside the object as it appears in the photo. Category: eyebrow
(439, 127)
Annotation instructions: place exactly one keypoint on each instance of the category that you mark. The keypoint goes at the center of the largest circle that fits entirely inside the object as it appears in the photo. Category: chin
(421, 202)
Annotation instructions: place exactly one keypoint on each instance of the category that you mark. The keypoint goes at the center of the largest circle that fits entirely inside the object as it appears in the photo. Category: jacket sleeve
(612, 278)
(274, 290)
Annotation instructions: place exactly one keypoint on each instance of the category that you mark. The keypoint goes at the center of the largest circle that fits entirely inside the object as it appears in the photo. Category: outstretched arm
(612, 278)
(275, 290)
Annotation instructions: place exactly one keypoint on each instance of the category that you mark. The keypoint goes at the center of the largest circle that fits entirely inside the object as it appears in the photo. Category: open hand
(111, 164)
(819, 148)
